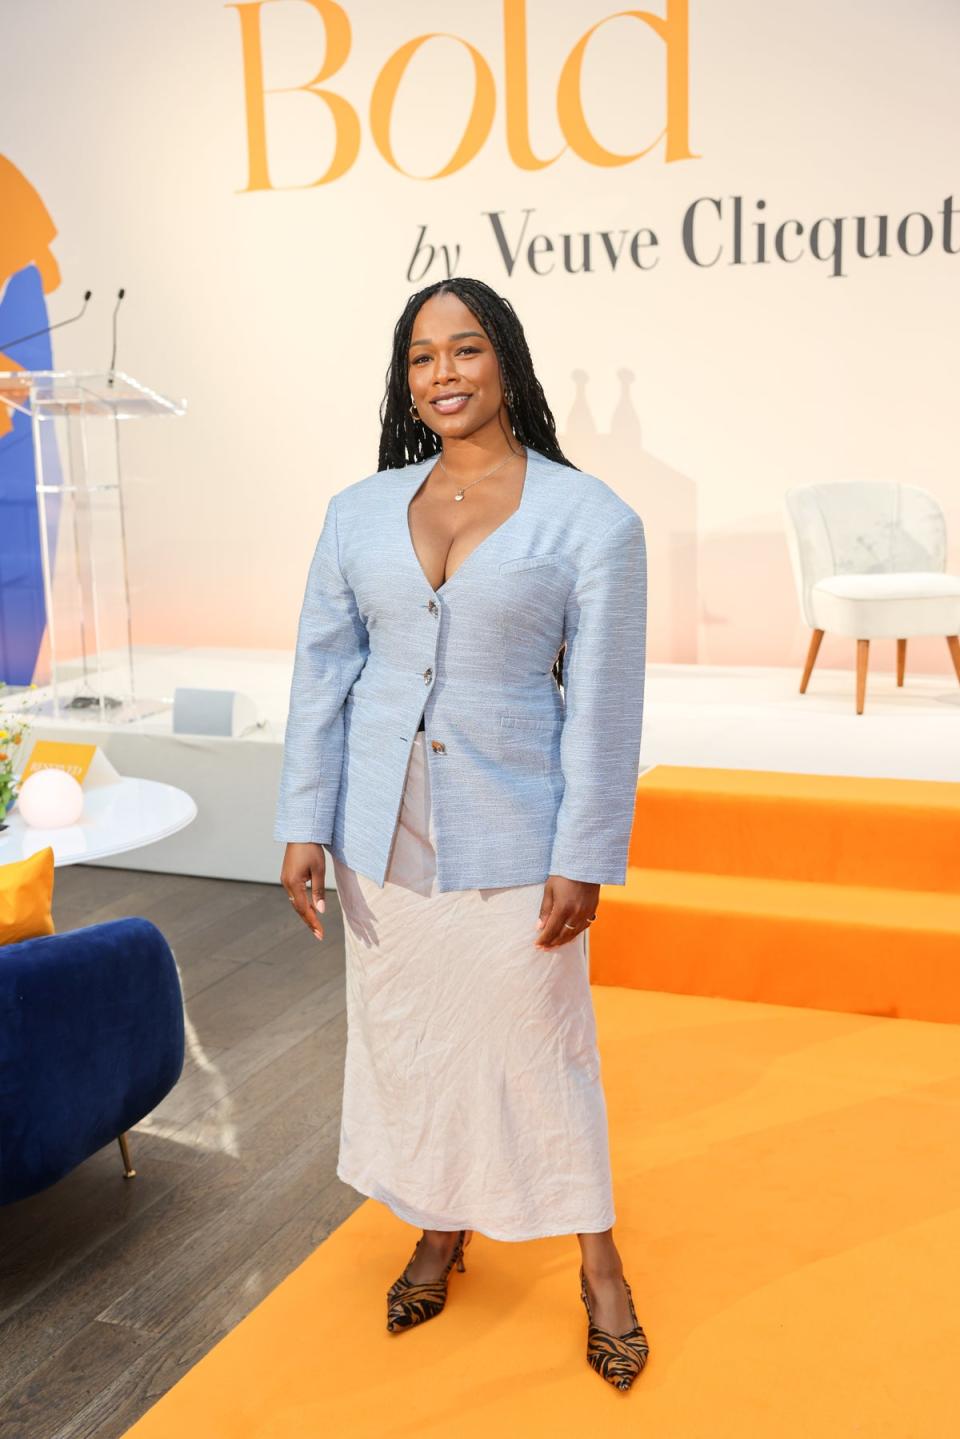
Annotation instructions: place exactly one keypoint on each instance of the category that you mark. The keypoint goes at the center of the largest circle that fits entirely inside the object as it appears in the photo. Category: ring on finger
(590, 920)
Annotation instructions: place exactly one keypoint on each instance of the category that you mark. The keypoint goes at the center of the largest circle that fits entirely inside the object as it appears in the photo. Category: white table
(123, 815)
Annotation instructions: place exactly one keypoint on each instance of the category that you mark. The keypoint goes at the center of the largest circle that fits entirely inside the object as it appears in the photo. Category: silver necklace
(461, 492)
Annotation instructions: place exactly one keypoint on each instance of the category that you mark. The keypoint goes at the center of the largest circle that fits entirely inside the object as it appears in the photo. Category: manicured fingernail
(539, 924)
(321, 904)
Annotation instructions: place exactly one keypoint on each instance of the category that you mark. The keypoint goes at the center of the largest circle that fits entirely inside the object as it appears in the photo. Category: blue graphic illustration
(23, 617)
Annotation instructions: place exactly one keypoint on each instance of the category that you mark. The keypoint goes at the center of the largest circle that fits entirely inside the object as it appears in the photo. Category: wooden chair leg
(814, 646)
(901, 660)
(953, 642)
(128, 1170)
(863, 656)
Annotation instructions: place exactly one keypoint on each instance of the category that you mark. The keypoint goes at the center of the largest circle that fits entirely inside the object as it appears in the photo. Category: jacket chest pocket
(529, 562)
(532, 594)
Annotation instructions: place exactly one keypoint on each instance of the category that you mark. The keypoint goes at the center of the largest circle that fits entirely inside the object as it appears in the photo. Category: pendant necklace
(460, 493)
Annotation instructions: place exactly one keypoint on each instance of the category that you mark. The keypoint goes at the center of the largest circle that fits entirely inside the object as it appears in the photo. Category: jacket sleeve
(603, 684)
(332, 648)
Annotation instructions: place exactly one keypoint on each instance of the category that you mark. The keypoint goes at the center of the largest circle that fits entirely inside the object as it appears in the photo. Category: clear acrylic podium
(87, 658)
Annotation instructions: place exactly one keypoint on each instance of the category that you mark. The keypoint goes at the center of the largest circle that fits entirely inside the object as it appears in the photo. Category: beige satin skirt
(472, 1093)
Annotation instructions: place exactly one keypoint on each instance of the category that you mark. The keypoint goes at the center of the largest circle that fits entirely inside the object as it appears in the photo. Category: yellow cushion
(26, 896)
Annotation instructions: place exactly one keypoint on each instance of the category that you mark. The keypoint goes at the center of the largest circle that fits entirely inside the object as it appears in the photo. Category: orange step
(856, 948)
(830, 828)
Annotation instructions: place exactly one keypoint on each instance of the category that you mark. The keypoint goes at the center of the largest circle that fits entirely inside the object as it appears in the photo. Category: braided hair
(404, 439)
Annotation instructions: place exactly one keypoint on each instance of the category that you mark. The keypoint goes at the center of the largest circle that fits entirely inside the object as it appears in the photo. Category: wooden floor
(110, 1289)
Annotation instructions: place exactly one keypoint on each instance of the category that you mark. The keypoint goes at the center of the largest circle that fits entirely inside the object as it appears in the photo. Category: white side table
(116, 817)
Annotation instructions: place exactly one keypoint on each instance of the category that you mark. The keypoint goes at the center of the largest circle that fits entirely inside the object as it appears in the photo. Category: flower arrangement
(13, 729)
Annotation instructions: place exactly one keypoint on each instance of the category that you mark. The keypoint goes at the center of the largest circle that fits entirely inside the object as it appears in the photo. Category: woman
(456, 590)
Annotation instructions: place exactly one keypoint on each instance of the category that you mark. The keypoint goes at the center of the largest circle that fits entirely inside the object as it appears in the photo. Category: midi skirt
(472, 1094)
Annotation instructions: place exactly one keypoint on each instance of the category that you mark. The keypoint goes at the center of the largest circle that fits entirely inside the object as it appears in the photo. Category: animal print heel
(409, 1304)
(618, 1358)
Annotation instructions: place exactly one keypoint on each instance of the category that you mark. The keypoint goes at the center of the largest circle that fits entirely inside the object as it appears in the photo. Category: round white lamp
(50, 799)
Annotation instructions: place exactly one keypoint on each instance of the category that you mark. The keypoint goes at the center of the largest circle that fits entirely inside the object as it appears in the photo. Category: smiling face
(453, 372)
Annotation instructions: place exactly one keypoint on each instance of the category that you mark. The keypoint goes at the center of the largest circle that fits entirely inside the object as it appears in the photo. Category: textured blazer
(527, 779)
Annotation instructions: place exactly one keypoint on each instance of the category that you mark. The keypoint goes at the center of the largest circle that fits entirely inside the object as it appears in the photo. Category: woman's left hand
(568, 906)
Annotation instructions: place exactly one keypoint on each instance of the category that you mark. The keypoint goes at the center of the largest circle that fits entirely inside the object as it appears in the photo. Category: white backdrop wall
(698, 382)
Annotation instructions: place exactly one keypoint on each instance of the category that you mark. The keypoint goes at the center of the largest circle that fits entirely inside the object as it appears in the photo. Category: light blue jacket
(526, 780)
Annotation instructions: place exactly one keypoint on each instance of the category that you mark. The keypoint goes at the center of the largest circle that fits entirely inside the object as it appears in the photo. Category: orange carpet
(823, 891)
(788, 1201)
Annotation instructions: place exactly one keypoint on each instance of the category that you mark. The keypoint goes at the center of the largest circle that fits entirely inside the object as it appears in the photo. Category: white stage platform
(746, 718)
(727, 718)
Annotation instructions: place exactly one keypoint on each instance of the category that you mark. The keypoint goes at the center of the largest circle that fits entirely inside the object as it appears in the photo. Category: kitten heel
(618, 1358)
(410, 1304)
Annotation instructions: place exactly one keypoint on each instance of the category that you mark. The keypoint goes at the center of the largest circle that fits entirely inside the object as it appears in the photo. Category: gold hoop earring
(414, 412)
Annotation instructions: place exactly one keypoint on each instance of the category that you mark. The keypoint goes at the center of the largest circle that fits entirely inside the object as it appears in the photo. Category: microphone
(22, 339)
(113, 357)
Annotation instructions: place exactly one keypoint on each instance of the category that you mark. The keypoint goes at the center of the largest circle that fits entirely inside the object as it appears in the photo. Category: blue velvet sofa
(91, 1039)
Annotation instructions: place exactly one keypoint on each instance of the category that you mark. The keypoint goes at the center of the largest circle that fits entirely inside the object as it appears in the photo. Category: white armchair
(869, 560)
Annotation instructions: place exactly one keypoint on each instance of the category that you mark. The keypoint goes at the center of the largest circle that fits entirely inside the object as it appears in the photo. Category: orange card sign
(51, 754)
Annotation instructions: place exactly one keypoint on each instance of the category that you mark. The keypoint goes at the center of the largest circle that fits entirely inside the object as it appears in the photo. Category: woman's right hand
(303, 864)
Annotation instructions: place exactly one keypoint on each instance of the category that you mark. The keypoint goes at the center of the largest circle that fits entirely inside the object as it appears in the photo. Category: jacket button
(433, 607)
(438, 746)
(427, 676)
